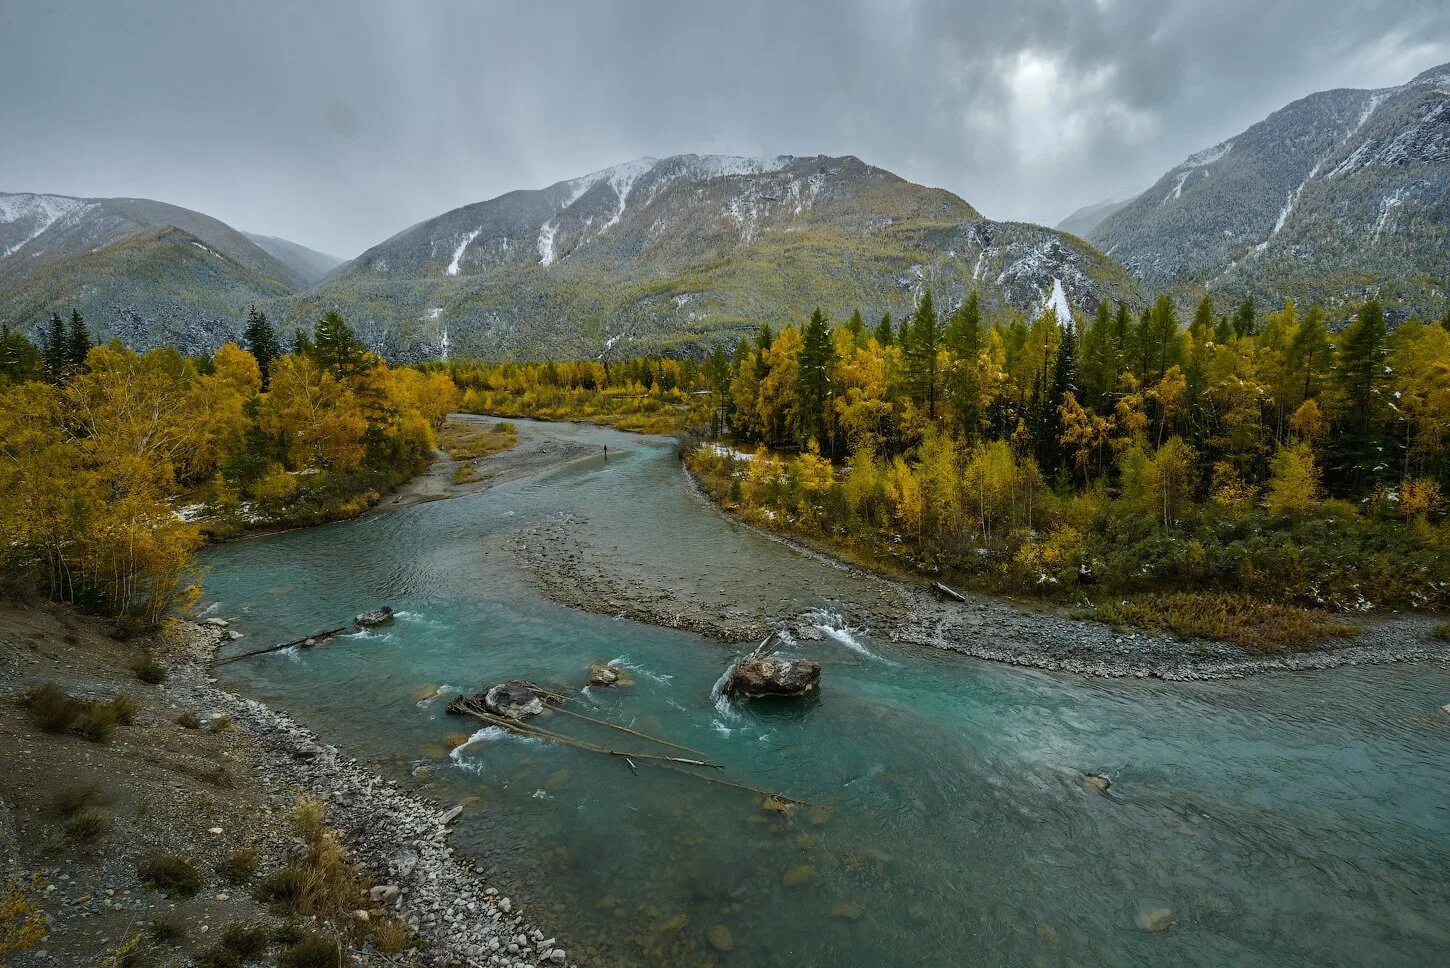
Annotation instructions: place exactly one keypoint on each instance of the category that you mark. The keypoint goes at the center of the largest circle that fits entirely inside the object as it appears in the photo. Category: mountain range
(681, 252)
(1338, 196)
(1341, 195)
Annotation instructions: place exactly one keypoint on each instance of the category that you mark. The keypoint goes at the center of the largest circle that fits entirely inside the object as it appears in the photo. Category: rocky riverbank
(399, 838)
(572, 566)
(208, 779)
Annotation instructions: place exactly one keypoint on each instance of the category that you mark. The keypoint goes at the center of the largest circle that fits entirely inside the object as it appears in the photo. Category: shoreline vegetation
(116, 466)
(1248, 477)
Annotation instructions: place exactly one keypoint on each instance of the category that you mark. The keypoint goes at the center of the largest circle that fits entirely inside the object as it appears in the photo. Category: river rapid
(1286, 819)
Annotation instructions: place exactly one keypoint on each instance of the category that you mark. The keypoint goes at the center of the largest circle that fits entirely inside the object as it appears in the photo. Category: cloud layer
(339, 123)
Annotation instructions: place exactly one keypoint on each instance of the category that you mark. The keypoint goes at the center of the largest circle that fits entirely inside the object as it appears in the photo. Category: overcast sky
(338, 124)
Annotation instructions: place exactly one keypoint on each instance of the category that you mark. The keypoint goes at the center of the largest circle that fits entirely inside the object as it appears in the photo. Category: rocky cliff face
(676, 254)
(1336, 197)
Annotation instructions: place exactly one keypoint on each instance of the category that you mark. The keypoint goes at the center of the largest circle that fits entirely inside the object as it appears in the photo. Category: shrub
(1255, 625)
(240, 865)
(22, 922)
(172, 874)
(223, 724)
(53, 710)
(98, 722)
(218, 957)
(87, 827)
(149, 671)
(313, 951)
(71, 800)
(246, 941)
(1442, 631)
(125, 709)
(189, 720)
(288, 933)
(168, 929)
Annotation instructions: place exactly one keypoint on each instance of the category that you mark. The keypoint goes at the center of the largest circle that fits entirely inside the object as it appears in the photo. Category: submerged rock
(773, 676)
(377, 616)
(603, 673)
(1097, 782)
(798, 875)
(720, 937)
(1153, 916)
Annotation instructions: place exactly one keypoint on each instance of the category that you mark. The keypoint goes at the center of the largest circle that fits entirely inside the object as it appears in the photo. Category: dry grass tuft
(87, 827)
(240, 865)
(149, 671)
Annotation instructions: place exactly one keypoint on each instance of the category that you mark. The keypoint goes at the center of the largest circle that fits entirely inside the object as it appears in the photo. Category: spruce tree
(1243, 322)
(1203, 321)
(78, 340)
(56, 348)
(1310, 352)
(1167, 344)
(764, 339)
(1064, 380)
(19, 359)
(812, 385)
(856, 326)
(261, 340)
(335, 347)
(885, 331)
(1360, 370)
(964, 329)
(922, 353)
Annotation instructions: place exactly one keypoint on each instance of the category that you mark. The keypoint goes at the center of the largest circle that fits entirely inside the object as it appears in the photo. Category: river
(1293, 819)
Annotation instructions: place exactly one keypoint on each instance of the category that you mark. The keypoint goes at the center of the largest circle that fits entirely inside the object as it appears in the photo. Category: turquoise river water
(1296, 819)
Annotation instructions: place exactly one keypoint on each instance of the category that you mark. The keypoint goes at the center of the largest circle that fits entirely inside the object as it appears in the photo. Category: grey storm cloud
(337, 124)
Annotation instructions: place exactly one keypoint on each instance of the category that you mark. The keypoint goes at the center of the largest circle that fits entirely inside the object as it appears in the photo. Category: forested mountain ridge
(139, 270)
(1335, 198)
(680, 253)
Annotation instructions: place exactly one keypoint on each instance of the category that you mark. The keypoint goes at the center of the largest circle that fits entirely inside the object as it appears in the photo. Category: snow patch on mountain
(621, 180)
(458, 252)
(546, 242)
(1207, 156)
(1177, 190)
(40, 212)
(1391, 202)
(1056, 300)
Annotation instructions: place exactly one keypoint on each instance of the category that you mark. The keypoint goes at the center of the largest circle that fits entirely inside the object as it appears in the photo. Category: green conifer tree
(78, 340)
(261, 342)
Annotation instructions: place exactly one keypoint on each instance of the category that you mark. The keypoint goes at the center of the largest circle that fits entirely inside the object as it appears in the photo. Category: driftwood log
(946, 591)
(306, 642)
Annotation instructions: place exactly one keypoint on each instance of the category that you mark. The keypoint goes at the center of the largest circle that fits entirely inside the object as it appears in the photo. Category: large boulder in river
(770, 675)
(513, 700)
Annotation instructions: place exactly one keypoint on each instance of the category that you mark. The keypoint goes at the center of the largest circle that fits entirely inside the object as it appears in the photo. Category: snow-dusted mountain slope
(684, 251)
(142, 271)
(1338, 196)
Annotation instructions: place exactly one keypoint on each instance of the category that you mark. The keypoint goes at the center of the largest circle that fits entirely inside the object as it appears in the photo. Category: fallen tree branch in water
(539, 732)
(316, 638)
(626, 729)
